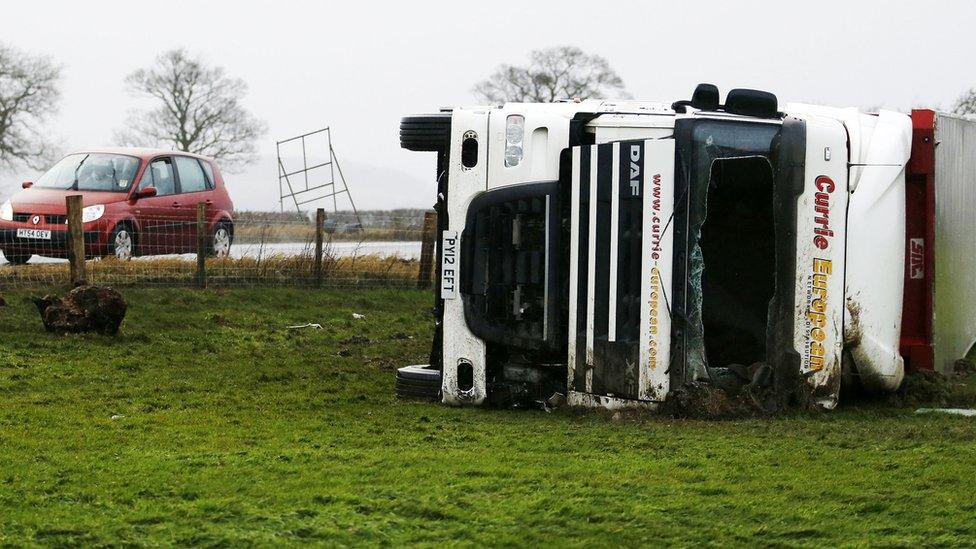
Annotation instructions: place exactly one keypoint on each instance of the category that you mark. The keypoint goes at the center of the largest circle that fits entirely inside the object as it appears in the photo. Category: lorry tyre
(430, 132)
(418, 382)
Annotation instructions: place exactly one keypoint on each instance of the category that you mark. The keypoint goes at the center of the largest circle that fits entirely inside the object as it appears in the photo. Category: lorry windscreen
(726, 210)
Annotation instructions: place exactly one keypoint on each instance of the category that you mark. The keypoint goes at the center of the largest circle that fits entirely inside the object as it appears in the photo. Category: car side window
(192, 178)
(211, 182)
(159, 174)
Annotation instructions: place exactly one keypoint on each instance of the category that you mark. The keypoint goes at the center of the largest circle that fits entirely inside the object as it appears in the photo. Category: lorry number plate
(449, 264)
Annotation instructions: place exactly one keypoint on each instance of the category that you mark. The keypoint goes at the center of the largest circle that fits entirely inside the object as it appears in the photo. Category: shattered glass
(711, 141)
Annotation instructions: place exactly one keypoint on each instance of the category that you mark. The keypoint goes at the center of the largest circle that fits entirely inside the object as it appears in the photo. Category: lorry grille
(509, 265)
(509, 272)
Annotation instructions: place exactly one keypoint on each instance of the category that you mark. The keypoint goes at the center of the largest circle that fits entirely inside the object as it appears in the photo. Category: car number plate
(449, 264)
(36, 234)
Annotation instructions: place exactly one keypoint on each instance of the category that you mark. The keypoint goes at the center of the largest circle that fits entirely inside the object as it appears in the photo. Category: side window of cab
(159, 174)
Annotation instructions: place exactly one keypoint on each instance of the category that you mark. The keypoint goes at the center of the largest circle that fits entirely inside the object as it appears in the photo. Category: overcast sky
(359, 66)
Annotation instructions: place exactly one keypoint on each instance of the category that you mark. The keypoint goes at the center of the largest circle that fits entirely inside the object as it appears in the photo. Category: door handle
(176, 204)
(208, 202)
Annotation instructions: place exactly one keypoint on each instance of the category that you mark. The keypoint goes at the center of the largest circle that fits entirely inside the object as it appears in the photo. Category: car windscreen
(91, 172)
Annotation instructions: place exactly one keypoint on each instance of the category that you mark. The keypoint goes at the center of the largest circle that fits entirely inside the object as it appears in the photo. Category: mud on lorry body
(615, 252)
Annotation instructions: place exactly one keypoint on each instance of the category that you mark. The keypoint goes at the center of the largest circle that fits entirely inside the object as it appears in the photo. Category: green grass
(347, 272)
(236, 431)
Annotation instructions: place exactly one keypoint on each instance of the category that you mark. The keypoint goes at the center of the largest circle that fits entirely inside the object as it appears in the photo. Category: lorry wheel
(418, 382)
(17, 259)
(429, 132)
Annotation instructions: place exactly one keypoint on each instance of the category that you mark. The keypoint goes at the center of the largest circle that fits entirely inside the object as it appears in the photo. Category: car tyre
(16, 259)
(122, 243)
(429, 132)
(221, 239)
(418, 383)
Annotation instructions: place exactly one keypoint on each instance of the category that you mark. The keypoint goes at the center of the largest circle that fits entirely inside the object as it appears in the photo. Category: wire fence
(41, 247)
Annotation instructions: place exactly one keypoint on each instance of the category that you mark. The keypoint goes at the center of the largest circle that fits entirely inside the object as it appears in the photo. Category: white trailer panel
(955, 239)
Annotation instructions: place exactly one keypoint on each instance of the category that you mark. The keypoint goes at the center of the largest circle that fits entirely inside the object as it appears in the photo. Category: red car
(136, 202)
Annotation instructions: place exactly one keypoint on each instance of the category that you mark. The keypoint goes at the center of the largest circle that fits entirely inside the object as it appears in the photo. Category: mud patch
(84, 309)
(698, 400)
(220, 320)
(852, 333)
(739, 392)
(964, 368)
(922, 387)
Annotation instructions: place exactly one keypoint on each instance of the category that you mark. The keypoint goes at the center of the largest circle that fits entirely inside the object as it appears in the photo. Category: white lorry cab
(613, 252)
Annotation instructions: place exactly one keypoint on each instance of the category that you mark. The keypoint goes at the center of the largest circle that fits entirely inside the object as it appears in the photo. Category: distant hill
(401, 218)
(372, 186)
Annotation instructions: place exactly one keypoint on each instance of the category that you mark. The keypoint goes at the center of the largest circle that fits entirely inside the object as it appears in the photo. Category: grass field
(207, 422)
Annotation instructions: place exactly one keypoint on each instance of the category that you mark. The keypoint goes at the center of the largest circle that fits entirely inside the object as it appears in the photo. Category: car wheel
(430, 132)
(223, 237)
(418, 382)
(122, 243)
(17, 259)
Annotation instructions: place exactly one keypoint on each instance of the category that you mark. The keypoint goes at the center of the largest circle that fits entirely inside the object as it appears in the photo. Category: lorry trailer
(615, 252)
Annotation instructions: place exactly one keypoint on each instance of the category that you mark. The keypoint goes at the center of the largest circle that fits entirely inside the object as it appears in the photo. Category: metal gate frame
(300, 194)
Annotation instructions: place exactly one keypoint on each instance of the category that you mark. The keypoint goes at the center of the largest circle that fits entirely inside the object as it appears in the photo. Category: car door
(157, 215)
(194, 188)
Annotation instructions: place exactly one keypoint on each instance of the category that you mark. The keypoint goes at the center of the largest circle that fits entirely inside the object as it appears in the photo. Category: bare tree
(966, 104)
(197, 110)
(28, 95)
(563, 72)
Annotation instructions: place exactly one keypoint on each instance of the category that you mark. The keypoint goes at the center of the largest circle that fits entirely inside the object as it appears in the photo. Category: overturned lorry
(616, 252)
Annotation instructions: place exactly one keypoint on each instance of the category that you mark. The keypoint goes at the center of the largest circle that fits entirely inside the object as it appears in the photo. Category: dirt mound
(922, 387)
(700, 400)
(84, 309)
(964, 367)
(738, 391)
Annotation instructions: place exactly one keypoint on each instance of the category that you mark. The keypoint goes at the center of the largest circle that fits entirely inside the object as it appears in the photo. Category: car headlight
(7, 211)
(92, 213)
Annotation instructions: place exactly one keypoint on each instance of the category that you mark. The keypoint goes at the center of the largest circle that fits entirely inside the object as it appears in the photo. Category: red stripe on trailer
(916, 320)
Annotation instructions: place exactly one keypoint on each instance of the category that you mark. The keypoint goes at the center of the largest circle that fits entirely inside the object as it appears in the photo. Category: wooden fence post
(427, 246)
(76, 241)
(319, 241)
(202, 244)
